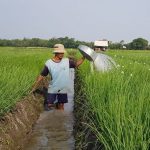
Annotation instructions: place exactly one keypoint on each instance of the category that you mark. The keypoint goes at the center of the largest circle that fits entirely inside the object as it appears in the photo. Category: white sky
(86, 20)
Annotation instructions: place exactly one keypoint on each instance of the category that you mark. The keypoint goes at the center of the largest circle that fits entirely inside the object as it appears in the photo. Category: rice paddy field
(118, 100)
(19, 68)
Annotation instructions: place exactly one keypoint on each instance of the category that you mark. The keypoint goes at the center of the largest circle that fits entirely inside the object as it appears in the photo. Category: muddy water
(54, 129)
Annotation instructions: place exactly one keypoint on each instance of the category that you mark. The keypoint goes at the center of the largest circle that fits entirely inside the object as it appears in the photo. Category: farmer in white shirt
(58, 68)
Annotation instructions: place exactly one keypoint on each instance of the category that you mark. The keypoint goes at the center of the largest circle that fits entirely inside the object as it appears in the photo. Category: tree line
(37, 42)
(136, 44)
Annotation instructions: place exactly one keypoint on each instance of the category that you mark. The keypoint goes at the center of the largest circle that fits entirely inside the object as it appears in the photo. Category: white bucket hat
(59, 48)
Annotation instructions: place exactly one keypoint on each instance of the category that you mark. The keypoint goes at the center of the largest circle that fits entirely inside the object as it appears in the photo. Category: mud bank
(15, 126)
(85, 138)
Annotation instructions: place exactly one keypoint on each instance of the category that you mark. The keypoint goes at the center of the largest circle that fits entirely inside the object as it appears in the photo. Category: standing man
(58, 68)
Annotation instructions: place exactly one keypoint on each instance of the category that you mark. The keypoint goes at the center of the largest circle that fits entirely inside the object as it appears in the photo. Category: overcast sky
(86, 20)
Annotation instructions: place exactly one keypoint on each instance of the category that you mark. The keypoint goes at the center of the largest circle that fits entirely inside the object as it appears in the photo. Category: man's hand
(36, 83)
(80, 61)
(31, 92)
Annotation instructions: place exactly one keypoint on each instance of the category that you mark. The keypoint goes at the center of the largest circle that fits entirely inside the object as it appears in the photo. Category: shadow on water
(53, 130)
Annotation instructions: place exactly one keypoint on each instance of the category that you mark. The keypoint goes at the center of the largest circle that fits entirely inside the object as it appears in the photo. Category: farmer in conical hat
(58, 68)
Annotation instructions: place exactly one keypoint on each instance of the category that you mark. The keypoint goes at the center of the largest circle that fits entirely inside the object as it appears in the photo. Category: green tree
(115, 46)
(138, 44)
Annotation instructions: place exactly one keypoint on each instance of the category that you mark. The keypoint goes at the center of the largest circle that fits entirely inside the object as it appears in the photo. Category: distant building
(124, 47)
(101, 45)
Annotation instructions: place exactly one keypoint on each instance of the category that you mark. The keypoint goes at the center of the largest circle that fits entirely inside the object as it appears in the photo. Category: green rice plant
(120, 101)
(19, 68)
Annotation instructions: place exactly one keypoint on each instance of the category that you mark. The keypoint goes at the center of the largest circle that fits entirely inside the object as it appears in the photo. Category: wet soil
(16, 125)
(53, 130)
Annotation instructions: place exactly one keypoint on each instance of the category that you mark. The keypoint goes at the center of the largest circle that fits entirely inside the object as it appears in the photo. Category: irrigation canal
(54, 129)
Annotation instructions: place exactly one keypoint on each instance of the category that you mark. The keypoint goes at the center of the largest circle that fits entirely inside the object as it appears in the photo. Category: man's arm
(36, 83)
(80, 61)
(41, 77)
